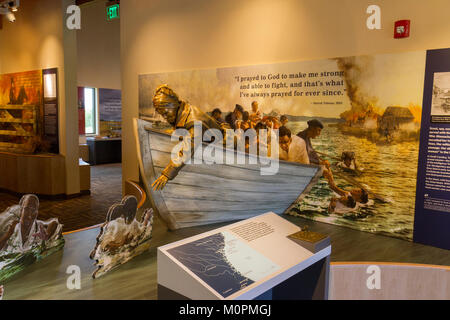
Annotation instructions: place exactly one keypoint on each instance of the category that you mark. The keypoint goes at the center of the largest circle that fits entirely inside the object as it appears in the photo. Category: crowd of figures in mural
(295, 148)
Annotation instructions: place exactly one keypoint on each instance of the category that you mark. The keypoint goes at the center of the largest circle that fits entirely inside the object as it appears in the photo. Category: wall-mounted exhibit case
(29, 134)
(29, 112)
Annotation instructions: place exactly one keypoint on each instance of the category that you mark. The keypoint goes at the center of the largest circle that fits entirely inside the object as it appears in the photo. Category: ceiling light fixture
(7, 8)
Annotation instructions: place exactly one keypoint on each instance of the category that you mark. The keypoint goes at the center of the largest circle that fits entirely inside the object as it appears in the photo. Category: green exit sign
(113, 12)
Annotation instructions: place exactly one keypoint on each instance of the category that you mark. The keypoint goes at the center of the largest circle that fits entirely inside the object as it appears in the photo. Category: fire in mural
(367, 118)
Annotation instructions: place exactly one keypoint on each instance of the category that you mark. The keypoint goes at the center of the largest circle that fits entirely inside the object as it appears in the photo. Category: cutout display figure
(122, 236)
(24, 239)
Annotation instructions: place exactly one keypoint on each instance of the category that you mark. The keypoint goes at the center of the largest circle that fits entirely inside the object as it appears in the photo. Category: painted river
(389, 170)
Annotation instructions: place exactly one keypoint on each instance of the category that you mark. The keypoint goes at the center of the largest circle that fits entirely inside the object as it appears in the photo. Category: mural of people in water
(369, 110)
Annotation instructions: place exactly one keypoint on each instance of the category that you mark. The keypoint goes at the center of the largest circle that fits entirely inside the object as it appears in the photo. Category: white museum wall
(98, 48)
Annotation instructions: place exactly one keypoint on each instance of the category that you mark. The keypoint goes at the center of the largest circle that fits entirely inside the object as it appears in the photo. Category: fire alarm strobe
(401, 29)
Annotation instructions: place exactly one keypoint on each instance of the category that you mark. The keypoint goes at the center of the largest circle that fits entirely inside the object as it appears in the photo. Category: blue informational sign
(110, 103)
(432, 217)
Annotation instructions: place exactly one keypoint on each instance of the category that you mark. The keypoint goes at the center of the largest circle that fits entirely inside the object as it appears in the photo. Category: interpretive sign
(239, 261)
(432, 218)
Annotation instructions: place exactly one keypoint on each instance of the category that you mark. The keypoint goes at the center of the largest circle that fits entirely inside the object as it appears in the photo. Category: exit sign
(113, 12)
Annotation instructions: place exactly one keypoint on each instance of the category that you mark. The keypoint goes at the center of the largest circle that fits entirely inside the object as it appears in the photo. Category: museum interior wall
(166, 36)
(98, 65)
(98, 48)
(38, 40)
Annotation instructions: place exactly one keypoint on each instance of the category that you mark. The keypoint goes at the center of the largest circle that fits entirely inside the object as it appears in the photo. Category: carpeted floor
(84, 211)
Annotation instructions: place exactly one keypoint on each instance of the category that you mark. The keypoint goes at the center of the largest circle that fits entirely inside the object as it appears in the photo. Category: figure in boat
(177, 204)
(179, 114)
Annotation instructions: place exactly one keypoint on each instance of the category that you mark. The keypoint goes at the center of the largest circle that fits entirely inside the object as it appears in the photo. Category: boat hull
(212, 193)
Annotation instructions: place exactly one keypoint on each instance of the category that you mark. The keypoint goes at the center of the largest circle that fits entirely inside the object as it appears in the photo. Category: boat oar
(357, 171)
(327, 155)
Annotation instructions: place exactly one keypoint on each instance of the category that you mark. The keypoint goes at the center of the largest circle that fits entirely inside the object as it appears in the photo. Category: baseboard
(51, 197)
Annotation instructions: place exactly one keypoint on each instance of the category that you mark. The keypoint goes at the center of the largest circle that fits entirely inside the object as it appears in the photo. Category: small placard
(313, 241)
(308, 236)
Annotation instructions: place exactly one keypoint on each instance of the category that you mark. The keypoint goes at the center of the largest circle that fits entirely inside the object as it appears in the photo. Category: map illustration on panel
(224, 262)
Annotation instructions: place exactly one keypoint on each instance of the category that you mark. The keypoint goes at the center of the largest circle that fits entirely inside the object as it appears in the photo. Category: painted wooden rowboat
(204, 194)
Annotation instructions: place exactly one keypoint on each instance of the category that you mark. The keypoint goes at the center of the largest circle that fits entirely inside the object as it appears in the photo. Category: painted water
(389, 170)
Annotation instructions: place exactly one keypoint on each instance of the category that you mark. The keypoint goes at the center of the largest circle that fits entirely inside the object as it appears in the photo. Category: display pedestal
(85, 177)
(43, 175)
(311, 283)
(102, 151)
(255, 253)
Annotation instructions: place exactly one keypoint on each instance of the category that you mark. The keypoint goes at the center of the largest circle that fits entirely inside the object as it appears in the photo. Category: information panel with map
(224, 262)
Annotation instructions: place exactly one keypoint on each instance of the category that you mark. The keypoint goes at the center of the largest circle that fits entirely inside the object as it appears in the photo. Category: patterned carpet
(84, 211)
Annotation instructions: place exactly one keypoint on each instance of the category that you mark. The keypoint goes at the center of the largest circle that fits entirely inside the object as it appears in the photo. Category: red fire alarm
(401, 29)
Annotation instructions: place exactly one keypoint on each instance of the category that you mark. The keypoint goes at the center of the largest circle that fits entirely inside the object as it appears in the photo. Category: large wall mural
(369, 109)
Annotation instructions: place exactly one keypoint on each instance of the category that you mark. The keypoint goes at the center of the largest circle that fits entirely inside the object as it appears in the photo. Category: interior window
(90, 103)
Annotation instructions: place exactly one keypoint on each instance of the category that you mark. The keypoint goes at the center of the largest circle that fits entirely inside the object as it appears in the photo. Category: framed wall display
(51, 105)
(20, 111)
(110, 112)
(29, 112)
(432, 215)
